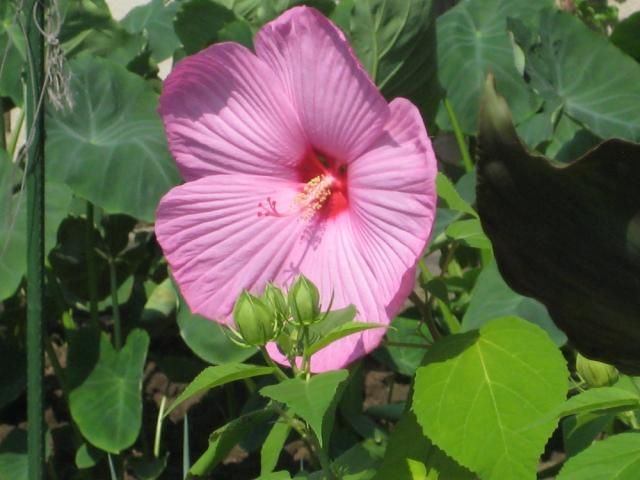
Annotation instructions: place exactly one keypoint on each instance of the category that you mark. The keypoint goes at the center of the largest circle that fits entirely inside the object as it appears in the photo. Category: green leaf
(404, 360)
(579, 431)
(472, 41)
(334, 320)
(339, 332)
(360, 462)
(106, 403)
(155, 19)
(472, 383)
(609, 105)
(212, 377)
(409, 450)
(87, 456)
(200, 23)
(491, 297)
(568, 236)
(273, 446)
(626, 36)
(89, 28)
(395, 41)
(13, 456)
(314, 400)
(162, 302)
(208, 340)
(468, 232)
(111, 148)
(615, 458)
(599, 400)
(225, 438)
(13, 223)
(447, 192)
(12, 53)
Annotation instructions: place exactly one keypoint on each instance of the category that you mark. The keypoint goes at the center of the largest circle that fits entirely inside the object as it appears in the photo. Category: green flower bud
(304, 301)
(274, 297)
(595, 373)
(254, 319)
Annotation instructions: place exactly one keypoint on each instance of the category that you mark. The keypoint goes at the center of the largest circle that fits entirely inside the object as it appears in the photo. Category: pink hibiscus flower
(294, 163)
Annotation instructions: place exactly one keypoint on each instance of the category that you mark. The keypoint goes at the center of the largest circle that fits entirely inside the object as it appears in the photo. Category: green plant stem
(280, 375)
(425, 312)
(117, 327)
(460, 140)
(33, 15)
(91, 267)
(3, 127)
(15, 134)
(158, 436)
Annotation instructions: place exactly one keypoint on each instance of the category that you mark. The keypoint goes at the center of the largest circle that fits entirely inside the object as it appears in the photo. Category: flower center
(324, 192)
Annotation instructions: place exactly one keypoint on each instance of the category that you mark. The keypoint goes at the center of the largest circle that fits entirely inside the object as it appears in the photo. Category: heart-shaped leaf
(155, 19)
(567, 236)
(105, 398)
(486, 397)
(111, 147)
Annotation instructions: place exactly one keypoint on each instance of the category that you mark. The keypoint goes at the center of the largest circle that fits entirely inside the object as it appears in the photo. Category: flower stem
(91, 268)
(280, 375)
(457, 131)
(425, 312)
(117, 327)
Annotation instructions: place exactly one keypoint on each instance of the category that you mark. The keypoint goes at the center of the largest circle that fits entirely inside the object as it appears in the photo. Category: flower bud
(254, 319)
(304, 301)
(274, 297)
(595, 373)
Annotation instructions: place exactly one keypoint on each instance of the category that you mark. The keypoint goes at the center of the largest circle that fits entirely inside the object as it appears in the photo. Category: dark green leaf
(473, 40)
(395, 41)
(567, 236)
(626, 35)
(12, 53)
(208, 340)
(465, 396)
(200, 23)
(580, 431)
(404, 360)
(212, 377)
(314, 400)
(225, 438)
(616, 458)
(111, 148)
(13, 456)
(106, 404)
(491, 297)
(570, 65)
(155, 19)
(13, 369)
(468, 232)
(13, 223)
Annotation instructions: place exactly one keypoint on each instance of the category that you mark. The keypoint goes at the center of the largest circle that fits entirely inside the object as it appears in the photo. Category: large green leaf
(395, 41)
(212, 377)
(409, 451)
(208, 340)
(14, 462)
(111, 147)
(567, 236)
(626, 35)
(155, 19)
(472, 41)
(314, 400)
(570, 66)
(491, 297)
(616, 458)
(13, 223)
(105, 399)
(484, 397)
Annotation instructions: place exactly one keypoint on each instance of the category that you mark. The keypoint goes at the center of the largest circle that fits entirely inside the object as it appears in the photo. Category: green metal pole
(34, 18)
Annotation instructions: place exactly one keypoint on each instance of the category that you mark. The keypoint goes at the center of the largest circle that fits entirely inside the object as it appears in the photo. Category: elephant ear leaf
(567, 235)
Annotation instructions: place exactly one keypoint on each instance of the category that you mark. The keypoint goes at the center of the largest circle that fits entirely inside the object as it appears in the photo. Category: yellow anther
(313, 195)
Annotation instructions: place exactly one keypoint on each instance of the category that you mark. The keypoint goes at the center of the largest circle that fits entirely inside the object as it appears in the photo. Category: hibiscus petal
(225, 111)
(339, 107)
(334, 263)
(392, 199)
(216, 243)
